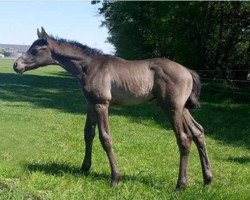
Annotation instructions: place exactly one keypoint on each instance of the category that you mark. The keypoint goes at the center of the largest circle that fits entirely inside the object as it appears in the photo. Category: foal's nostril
(15, 65)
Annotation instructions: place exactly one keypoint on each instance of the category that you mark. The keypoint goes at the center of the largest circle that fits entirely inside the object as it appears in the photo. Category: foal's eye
(33, 52)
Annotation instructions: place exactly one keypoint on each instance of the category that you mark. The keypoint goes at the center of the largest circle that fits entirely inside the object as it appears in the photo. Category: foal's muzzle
(18, 69)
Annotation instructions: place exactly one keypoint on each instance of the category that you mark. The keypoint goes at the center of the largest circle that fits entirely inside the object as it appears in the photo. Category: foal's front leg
(105, 138)
(89, 134)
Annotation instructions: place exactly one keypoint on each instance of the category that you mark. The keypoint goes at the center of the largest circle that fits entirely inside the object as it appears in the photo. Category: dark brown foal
(108, 80)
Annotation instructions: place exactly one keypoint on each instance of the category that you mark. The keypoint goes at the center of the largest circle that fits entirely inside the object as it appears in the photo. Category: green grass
(42, 115)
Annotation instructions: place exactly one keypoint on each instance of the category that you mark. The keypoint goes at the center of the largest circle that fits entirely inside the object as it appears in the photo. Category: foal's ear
(42, 34)
(39, 35)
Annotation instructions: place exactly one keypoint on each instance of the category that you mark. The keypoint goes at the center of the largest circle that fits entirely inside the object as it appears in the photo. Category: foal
(108, 80)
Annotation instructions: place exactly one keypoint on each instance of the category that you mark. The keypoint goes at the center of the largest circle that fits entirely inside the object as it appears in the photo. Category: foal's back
(133, 82)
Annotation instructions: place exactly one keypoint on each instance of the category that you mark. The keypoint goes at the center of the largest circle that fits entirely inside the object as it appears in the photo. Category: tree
(200, 35)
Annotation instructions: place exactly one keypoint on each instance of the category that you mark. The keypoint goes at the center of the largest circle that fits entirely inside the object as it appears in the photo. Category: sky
(75, 20)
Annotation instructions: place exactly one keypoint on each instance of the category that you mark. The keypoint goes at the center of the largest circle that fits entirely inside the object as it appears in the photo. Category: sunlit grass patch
(42, 117)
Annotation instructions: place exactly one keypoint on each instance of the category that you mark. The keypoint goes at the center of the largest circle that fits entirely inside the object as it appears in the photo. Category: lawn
(42, 115)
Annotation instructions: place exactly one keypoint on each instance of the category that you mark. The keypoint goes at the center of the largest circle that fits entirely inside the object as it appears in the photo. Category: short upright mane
(84, 48)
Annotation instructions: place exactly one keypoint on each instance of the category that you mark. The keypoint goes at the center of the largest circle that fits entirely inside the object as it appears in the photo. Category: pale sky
(75, 20)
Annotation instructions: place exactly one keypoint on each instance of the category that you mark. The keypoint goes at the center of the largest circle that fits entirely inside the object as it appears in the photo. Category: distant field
(42, 115)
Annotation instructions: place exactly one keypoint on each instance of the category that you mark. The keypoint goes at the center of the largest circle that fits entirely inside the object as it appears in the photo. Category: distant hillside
(14, 47)
(12, 50)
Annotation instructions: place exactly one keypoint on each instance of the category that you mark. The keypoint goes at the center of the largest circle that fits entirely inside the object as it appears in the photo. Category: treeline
(211, 36)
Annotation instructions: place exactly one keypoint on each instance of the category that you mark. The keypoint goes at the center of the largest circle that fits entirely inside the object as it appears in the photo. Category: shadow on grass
(225, 122)
(240, 160)
(62, 93)
(4, 186)
(56, 169)
(223, 119)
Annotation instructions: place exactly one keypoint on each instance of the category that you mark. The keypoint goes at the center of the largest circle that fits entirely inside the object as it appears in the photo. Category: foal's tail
(193, 100)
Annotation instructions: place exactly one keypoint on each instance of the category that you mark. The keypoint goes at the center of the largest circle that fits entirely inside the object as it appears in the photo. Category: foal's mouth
(19, 70)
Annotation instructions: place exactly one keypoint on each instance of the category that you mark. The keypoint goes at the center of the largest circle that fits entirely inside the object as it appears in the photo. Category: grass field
(42, 115)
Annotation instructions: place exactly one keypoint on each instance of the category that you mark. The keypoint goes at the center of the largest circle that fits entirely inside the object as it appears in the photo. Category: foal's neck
(71, 58)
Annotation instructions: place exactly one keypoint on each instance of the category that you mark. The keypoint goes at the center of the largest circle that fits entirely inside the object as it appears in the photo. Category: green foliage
(41, 129)
(2, 51)
(201, 35)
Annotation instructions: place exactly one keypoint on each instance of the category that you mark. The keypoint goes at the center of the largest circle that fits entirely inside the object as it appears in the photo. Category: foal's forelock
(39, 42)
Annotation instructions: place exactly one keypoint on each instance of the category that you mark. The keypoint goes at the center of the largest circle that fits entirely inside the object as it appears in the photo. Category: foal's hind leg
(199, 139)
(89, 134)
(184, 143)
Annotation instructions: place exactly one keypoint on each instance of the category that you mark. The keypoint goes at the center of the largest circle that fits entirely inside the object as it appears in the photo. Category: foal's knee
(89, 132)
(105, 141)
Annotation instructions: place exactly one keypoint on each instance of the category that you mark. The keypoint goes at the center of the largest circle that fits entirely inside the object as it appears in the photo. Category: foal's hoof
(208, 183)
(179, 189)
(208, 180)
(180, 186)
(114, 184)
(85, 170)
(115, 181)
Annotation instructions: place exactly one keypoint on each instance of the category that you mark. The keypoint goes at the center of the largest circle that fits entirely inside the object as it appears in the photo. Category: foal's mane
(86, 49)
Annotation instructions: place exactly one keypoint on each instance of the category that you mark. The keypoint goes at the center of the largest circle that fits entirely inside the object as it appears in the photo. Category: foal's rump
(175, 83)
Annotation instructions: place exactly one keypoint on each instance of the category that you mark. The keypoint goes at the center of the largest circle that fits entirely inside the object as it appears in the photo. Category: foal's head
(39, 54)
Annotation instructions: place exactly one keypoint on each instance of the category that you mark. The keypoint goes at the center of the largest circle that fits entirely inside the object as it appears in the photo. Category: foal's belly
(132, 92)
(127, 98)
